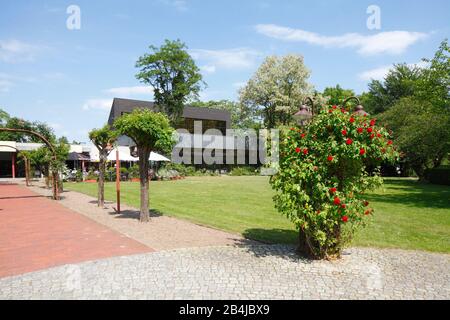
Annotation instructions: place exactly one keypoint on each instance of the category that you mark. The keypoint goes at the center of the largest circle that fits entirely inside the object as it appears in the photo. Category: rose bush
(323, 175)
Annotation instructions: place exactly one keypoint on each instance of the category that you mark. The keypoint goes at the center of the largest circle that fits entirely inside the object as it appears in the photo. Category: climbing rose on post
(322, 191)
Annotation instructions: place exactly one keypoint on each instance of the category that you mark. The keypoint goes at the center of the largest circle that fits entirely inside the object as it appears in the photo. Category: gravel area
(251, 272)
(161, 233)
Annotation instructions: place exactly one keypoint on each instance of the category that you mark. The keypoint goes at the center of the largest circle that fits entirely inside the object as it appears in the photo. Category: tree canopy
(173, 75)
(277, 89)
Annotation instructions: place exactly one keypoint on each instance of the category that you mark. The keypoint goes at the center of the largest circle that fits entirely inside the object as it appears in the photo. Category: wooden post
(27, 173)
(83, 167)
(118, 179)
(13, 166)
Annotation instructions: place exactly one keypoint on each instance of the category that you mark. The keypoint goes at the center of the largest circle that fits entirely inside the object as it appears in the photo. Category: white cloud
(393, 42)
(98, 104)
(8, 81)
(381, 72)
(237, 58)
(130, 91)
(12, 51)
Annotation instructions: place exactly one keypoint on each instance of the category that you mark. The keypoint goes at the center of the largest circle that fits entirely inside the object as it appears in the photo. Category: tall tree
(103, 139)
(277, 89)
(4, 116)
(336, 95)
(421, 131)
(150, 131)
(401, 81)
(173, 75)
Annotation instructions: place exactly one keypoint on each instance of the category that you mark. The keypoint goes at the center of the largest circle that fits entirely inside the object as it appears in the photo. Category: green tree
(336, 95)
(422, 132)
(150, 131)
(103, 139)
(401, 81)
(241, 115)
(277, 89)
(173, 75)
(4, 117)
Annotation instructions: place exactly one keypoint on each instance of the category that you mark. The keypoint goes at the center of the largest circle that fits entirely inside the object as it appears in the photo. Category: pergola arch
(52, 149)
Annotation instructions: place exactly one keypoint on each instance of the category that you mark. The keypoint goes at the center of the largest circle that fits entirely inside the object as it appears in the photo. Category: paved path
(161, 233)
(37, 233)
(247, 272)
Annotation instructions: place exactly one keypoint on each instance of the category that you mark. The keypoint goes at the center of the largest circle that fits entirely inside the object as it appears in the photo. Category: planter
(90, 181)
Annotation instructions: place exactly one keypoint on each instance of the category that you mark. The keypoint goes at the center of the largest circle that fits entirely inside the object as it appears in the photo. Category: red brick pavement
(37, 233)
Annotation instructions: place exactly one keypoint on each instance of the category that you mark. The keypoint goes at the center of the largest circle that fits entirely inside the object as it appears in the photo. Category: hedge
(439, 175)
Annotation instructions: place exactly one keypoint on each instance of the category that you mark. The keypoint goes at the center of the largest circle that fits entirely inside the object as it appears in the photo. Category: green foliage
(147, 129)
(4, 117)
(17, 123)
(422, 132)
(244, 171)
(133, 171)
(103, 138)
(336, 95)
(276, 89)
(322, 177)
(172, 73)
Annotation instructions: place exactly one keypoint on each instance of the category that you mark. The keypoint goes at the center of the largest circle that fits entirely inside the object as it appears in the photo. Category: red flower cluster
(344, 132)
(349, 141)
(297, 150)
(303, 135)
(333, 190)
(362, 151)
(369, 130)
(372, 122)
(389, 142)
(337, 201)
(330, 158)
(360, 130)
(343, 206)
(305, 151)
(344, 219)
(352, 120)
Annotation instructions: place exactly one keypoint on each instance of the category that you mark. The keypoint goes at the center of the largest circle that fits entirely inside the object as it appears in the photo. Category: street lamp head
(359, 111)
(303, 114)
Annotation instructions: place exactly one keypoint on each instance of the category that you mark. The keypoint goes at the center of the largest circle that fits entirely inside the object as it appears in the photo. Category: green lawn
(408, 215)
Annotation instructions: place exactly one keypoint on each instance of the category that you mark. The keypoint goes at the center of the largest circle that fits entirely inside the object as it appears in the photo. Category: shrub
(439, 175)
(244, 171)
(322, 178)
(133, 172)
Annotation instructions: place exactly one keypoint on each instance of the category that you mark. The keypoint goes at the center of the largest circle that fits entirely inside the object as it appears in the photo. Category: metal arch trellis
(52, 149)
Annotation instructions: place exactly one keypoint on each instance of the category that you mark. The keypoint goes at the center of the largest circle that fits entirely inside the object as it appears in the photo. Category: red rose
(334, 107)
(349, 141)
(305, 151)
(360, 130)
(343, 206)
(330, 158)
(352, 120)
(372, 122)
(369, 130)
(337, 201)
(372, 136)
(344, 218)
(318, 211)
(297, 150)
(366, 203)
(333, 190)
(330, 111)
(367, 212)
(379, 135)
(362, 151)
(303, 135)
(389, 142)
(344, 132)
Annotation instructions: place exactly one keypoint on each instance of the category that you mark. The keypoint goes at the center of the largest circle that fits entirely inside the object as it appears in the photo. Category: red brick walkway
(37, 233)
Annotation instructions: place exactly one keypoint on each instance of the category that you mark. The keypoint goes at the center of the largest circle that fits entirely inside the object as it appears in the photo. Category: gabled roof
(120, 106)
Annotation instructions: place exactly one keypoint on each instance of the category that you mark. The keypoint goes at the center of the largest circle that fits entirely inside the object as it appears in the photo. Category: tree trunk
(144, 154)
(101, 180)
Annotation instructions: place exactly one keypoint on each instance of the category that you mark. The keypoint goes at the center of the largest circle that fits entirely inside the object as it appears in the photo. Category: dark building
(210, 118)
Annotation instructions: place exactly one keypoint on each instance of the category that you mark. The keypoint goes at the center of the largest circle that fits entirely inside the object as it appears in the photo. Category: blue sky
(68, 78)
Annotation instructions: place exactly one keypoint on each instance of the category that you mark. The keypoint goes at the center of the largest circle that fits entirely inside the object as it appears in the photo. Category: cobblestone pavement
(245, 272)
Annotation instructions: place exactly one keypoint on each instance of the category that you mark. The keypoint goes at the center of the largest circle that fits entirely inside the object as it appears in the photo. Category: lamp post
(359, 109)
(304, 114)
